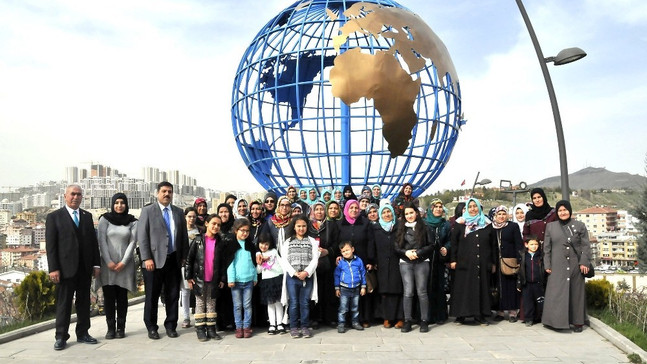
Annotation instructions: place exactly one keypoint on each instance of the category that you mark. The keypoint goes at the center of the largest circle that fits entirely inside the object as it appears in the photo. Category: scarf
(347, 208)
(235, 209)
(387, 226)
(225, 227)
(255, 221)
(567, 205)
(379, 196)
(538, 213)
(328, 206)
(279, 220)
(412, 225)
(122, 219)
(523, 208)
(430, 219)
(473, 223)
(496, 224)
(317, 223)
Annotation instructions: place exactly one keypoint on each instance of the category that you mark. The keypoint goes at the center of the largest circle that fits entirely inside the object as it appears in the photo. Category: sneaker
(424, 326)
(295, 334)
(186, 323)
(272, 330)
(357, 326)
(341, 329)
(513, 319)
(280, 329)
(306, 332)
(406, 327)
(529, 323)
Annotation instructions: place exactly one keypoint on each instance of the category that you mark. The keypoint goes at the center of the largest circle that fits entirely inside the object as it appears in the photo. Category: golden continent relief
(380, 76)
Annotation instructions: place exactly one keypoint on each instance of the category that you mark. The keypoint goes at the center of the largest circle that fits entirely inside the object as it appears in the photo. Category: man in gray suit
(163, 245)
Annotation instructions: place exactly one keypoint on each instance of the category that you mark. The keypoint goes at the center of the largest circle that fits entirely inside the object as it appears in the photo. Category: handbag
(591, 272)
(507, 266)
(371, 281)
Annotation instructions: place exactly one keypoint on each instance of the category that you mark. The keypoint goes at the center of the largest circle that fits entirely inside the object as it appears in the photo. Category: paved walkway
(502, 342)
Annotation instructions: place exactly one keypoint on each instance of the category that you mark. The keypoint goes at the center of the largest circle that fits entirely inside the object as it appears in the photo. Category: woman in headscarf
(333, 211)
(117, 236)
(366, 191)
(389, 280)
(355, 228)
(326, 233)
(241, 208)
(326, 196)
(347, 194)
(473, 257)
(567, 254)
(439, 236)
(269, 204)
(337, 194)
(256, 218)
(508, 239)
(519, 215)
(277, 225)
(376, 194)
(405, 195)
(539, 215)
(226, 215)
(459, 210)
(372, 213)
(200, 205)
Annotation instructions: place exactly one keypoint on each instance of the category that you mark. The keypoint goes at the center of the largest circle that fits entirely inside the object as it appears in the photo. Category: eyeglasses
(246, 231)
(269, 201)
(284, 205)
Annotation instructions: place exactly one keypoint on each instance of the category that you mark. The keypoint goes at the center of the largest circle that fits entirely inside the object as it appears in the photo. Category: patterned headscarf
(496, 224)
(473, 223)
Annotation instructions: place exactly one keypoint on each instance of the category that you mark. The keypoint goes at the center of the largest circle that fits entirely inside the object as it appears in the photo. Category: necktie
(167, 220)
(76, 218)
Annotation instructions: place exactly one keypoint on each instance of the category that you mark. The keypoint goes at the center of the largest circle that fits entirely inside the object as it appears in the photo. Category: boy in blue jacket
(350, 283)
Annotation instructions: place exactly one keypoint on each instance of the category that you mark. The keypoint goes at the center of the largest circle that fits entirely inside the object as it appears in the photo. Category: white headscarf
(523, 208)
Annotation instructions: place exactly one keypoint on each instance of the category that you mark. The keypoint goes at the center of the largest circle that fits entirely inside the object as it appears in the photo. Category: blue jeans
(299, 306)
(241, 295)
(349, 296)
(415, 275)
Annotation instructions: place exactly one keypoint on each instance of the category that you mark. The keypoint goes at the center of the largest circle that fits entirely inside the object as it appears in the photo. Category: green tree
(36, 296)
(640, 212)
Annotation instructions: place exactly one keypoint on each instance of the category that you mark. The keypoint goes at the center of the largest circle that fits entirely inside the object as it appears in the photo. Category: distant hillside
(596, 178)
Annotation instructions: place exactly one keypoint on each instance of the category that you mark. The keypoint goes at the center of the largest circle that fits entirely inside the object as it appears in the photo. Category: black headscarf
(268, 195)
(538, 213)
(567, 205)
(122, 219)
(458, 211)
(225, 227)
(352, 194)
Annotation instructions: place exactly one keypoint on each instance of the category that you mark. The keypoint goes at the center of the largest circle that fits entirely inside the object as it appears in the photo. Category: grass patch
(25, 323)
(629, 330)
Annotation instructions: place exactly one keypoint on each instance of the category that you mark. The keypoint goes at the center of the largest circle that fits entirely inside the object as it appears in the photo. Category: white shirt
(71, 212)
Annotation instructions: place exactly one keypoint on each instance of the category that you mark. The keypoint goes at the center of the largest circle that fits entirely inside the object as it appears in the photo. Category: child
(242, 277)
(531, 280)
(350, 283)
(299, 258)
(203, 275)
(271, 282)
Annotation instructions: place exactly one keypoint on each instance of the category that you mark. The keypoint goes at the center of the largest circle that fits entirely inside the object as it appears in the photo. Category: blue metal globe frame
(290, 130)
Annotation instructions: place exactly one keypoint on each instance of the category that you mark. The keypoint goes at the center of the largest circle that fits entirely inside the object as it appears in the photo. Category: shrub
(597, 293)
(36, 296)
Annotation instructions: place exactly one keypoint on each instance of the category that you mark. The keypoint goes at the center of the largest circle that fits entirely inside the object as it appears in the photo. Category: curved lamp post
(482, 182)
(565, 56)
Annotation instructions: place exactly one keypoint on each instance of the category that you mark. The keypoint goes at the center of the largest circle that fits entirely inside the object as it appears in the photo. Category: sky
(106, 81)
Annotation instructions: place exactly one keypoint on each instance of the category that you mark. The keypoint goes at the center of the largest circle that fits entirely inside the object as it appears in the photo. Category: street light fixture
(565, 56)
(482, 182)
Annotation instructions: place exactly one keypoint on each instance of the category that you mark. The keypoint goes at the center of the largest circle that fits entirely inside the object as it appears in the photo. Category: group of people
(305, 259)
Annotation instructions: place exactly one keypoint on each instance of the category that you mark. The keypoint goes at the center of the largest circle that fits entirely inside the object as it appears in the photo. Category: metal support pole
(563, 167)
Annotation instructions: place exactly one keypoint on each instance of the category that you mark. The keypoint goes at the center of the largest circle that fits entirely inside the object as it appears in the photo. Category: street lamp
(565, 56)
(482, 182)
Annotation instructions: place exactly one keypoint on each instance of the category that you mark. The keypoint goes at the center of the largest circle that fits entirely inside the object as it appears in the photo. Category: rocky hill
(592, 178)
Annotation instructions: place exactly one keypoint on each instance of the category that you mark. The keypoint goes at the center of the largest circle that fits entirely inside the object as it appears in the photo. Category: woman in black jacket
(204, 274)
(413, 248)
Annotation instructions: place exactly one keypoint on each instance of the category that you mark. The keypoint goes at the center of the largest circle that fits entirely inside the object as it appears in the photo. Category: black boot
(406, 327)
(110, 334)
(211, 332)
(201, 331)
(121, 328)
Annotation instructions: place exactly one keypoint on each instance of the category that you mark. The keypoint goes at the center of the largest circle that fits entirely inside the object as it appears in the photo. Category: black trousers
(169, 277)
(115, 299)
(529, 294)
(65, 290)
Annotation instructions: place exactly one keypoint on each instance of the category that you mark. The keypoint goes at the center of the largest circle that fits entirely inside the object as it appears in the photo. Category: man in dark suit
(73, 257)
(163, 245)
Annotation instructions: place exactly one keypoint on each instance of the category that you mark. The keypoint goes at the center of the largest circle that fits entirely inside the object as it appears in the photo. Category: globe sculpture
(334, 93)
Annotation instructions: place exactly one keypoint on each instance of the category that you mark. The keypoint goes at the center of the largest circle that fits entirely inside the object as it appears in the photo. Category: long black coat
(474, 254)
(359, 233)
(389, 280)
(328, 238)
